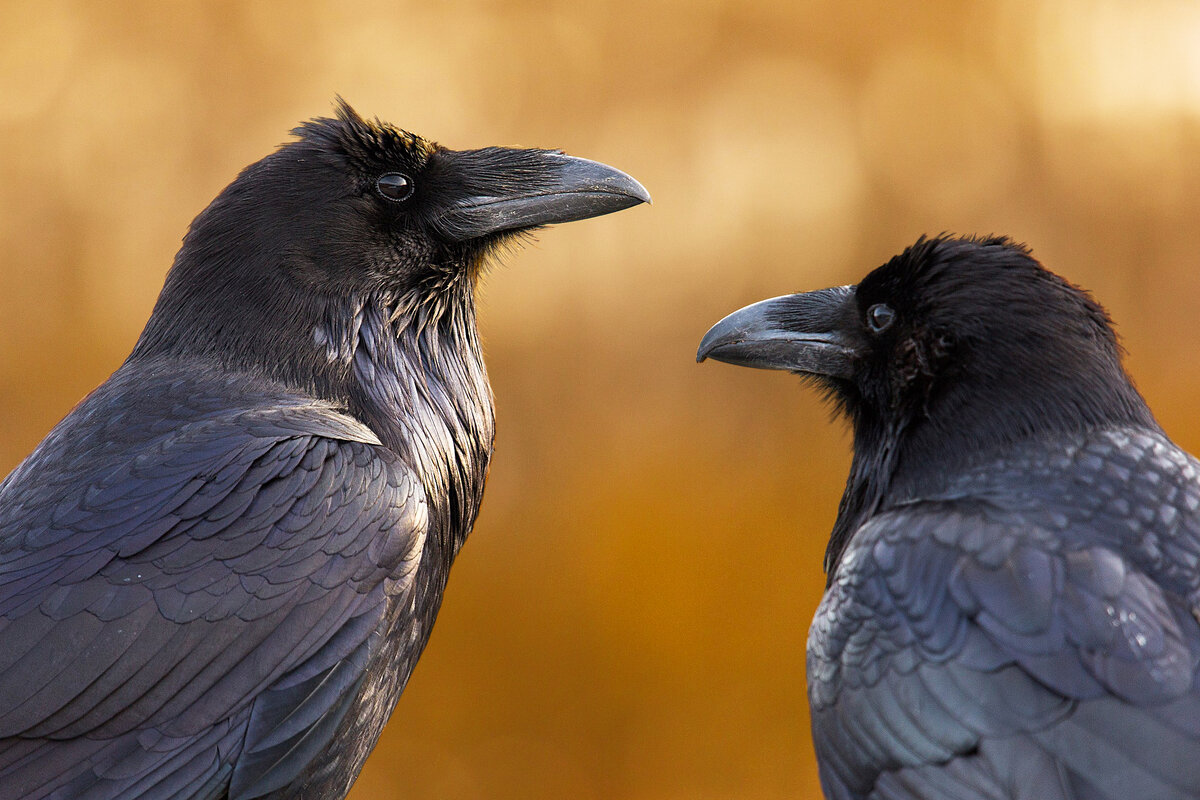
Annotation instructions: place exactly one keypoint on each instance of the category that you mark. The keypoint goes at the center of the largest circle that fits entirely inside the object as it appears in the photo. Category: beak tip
(710, 342)
(632, 188)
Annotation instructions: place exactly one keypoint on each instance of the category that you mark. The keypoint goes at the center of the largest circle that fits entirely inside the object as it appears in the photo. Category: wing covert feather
(147, 600)
(948, 629)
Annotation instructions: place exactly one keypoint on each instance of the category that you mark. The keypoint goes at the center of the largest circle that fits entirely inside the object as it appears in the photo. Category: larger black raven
(1013, 605)
(217, 573)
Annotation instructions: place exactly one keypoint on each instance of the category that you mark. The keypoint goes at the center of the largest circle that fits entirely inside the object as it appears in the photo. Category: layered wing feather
(1019, 636)
(192, 583)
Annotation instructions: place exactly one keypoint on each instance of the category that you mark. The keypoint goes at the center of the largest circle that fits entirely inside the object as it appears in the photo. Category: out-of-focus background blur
(628, 620)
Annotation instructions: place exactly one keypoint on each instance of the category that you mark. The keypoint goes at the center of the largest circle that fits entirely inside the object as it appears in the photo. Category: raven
(218, 571)
(1013, 598)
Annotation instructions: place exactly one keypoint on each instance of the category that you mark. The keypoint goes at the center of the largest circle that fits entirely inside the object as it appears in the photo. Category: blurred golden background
(628, 619)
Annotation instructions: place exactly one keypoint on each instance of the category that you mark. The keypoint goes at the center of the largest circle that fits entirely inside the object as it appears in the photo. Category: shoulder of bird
(161, 404)
(1129, 489)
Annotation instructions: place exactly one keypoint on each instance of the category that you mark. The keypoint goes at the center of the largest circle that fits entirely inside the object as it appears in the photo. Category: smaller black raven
(218, 572)
(1013, 600)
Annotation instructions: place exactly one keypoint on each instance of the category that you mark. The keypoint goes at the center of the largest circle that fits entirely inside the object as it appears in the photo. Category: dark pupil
(395, 186)
(881, 317)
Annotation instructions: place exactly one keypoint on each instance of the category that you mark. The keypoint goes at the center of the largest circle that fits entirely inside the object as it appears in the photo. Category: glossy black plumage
(1013, 607)
(217, 573)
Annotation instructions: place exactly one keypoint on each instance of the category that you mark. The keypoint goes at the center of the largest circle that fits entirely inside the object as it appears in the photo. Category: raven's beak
(510, 190)
(809, 333)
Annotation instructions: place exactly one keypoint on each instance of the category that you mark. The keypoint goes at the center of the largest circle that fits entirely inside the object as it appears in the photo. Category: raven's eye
(395, 186)
(880, 317)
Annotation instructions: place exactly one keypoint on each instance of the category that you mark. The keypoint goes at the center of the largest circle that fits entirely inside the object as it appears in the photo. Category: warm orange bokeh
(628, 619)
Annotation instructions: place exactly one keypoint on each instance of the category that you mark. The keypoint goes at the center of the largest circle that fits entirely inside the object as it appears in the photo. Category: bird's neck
(876, 443)
(905, 454)
(418, 380)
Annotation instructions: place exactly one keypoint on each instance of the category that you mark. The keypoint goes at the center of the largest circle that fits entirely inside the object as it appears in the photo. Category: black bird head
(361, 209)
(949, 350)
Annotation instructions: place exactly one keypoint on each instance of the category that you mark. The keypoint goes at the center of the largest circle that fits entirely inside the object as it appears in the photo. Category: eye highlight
(880, 317)
(395, 186)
